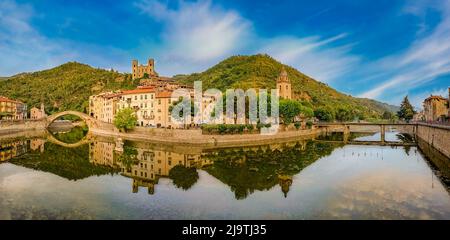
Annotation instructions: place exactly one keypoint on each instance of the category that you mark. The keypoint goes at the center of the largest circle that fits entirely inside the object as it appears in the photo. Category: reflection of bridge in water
(347, 128)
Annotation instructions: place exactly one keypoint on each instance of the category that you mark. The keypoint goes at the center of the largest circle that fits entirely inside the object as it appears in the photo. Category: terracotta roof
(5, 99)
(138, 90)
(435, 97)
(165, 94)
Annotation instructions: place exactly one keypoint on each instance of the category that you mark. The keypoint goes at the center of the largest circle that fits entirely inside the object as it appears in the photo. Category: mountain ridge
(68, 86)
(261, 71)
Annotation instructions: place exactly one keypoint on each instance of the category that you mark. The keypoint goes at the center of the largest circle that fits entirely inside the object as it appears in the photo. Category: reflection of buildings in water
(149, 166)
(154, 164)
(285, 183)
(9, 150)
(102, 153)
(37, 144)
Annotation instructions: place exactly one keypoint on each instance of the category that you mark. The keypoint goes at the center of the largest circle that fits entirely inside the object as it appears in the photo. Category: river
(310, 179)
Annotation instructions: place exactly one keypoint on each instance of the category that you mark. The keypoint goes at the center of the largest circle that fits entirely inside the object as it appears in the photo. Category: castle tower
(140, 71)
(134, 68)
(284, 85)
(43, 109)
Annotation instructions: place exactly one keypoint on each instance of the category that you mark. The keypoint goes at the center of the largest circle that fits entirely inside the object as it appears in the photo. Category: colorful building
(435, 108)
(38, 113)
(12, 109)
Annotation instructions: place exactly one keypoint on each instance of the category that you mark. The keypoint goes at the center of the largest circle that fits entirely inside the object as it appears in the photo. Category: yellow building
(12, 149)
(142, 100)
(163, 116)
(104, 106)
(102, 153)
(12, 109)
(139, 71)
(284, 85)
(435, 108)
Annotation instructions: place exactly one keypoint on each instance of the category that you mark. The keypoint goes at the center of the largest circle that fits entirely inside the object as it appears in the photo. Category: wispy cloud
(426, 59)
(313, 56)
(23, 48)
(196, 33)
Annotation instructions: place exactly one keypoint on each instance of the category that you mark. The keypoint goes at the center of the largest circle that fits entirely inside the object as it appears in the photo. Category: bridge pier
(383, 132)
(346, 133)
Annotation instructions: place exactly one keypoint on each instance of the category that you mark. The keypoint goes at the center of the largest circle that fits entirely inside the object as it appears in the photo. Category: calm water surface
(297, 180)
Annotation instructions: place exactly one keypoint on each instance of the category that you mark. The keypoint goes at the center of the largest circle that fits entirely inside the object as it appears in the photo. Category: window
(145, 97)
(159, 101)
(135, 97)
(142, 97)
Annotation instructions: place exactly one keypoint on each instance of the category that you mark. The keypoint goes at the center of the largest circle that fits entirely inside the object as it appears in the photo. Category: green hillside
(64, 87)
(261, 71)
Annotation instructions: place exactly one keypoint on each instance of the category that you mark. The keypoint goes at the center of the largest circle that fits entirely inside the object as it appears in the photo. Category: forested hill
(66, 87)
(261, 71)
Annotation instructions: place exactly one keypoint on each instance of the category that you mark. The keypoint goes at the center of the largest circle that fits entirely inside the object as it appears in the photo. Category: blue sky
(377, 49)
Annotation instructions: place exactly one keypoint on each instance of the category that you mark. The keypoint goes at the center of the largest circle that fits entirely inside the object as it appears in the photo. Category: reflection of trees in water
(183, 177)
(75, 135)
(128, 157)
(69, 163)
(259, 169)
(339, 136)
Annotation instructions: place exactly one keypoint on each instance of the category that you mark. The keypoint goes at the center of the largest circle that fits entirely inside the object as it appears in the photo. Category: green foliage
(297, 125)
(125, 119)
(183, 177)
(69, 163)
(128, 157)
(66, 87)
(261, 71)
(309, 124)
(406, 111)
(344, 114)
(387, 115)
(75, 135)
(324, 114)
(289, 109)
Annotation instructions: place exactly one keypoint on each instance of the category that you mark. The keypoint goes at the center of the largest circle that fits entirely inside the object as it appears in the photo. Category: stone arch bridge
(90, 121)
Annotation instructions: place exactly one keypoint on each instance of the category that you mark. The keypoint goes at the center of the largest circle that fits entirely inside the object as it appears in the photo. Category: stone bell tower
(284, 85)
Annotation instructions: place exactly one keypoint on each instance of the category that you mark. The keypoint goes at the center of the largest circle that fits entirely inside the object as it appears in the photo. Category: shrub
(297, 125)
(222, 128)
(241, 128)
(125, 119)
(309, 124)
(250, 127)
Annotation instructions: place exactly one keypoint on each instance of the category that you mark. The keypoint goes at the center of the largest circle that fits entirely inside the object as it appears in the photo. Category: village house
(12, 109)
(435, 108)
(38, 113)
(104, 106)
(142, 100)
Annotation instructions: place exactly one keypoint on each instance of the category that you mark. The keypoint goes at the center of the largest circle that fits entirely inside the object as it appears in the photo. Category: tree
(183, 177)
(125, 119)
(406, 110)
(289, 109)
(344, 114)
(387, 115)
(324, 114)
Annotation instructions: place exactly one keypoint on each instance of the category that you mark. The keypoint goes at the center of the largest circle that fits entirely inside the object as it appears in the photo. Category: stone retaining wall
(437, 136)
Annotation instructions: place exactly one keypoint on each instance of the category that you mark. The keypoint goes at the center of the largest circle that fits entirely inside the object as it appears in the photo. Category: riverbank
(196, 137)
